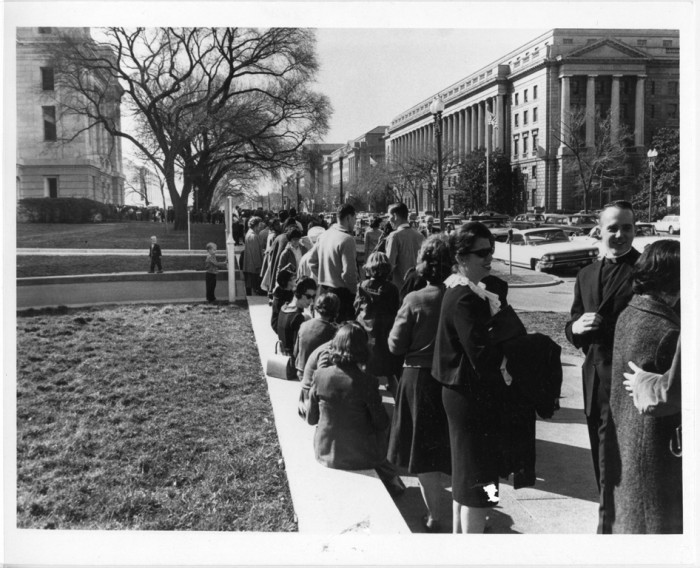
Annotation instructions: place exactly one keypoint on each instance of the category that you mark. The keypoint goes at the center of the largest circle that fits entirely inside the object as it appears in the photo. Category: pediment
(607, 48)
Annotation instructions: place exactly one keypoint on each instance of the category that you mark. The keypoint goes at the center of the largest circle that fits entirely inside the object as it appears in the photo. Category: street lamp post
(436, 108)
(341, 178)
(651, 154)
(298, 206)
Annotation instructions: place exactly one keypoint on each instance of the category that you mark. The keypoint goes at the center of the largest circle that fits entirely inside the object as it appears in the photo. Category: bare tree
(207, 101)
(600, 164)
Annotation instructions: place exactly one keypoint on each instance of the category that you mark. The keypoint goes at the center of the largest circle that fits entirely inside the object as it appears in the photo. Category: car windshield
(546, 237)
(583, 220)
(645, 231)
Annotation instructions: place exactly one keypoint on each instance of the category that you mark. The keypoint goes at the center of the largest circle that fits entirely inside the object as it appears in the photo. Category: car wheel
(535, 265)
(671, 231)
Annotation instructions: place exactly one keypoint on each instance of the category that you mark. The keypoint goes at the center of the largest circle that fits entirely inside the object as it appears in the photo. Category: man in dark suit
(603, 289)
(155, 254)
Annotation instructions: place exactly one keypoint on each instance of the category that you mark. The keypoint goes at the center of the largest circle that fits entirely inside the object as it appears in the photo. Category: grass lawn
(46, 265)
(146, 417)
(126, 235)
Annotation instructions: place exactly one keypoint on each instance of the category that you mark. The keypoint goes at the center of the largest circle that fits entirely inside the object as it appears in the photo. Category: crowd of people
(423, 315)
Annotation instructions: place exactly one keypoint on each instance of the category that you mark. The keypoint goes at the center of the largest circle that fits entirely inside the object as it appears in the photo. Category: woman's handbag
(280, 366)
(505, 325)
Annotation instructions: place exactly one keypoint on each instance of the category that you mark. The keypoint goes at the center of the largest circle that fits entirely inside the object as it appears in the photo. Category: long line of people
(467, 378)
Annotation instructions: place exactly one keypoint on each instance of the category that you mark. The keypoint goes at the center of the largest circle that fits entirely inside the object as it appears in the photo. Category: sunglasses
(482, 253)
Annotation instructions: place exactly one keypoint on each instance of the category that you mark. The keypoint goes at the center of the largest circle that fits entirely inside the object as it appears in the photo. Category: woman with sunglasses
(469, 368)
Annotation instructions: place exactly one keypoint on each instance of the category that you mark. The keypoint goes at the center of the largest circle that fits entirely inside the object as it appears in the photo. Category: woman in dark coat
(346, 405)
(642, 474)
(419, 439)
(469, 368)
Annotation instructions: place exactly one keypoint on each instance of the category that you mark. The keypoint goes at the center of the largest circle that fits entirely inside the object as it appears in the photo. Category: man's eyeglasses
(309, 296)
(482, 253)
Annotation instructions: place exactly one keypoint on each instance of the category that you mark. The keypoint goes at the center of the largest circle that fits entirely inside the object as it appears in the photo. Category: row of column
(463, 131)
(614, 108)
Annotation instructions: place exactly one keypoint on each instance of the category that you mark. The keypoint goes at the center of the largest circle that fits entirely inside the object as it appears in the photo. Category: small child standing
(211, 265)
(155, 253)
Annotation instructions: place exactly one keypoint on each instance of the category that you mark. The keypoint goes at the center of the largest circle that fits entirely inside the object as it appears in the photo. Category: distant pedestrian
(372, 236)
(155, 254)
(253, 257)
(211, 265)
(402, 245)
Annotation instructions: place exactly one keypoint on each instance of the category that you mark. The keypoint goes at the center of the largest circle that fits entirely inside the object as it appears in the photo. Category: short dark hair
(400, 209)
(344, 210)
(328, 304)
(254, 222)
(349, 346)
(292, 212)
(293, 232)
(434, 259)
(619, 204)
(462, 240)
(658, 270)
(283, 216)
(303, 285)
(374, 224)
(283, 277)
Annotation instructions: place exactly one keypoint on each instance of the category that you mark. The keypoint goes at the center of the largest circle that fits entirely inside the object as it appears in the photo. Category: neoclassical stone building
(516, 105)
(56, 155)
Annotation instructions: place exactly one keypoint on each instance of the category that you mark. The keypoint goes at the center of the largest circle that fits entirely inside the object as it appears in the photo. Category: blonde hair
(378, 266)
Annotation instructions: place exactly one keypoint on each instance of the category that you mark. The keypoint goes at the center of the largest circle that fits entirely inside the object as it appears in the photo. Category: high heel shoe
(430, 525)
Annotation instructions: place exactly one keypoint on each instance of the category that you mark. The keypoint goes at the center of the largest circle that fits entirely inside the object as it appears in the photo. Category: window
(517, 100)
(534, 168)
(598, 87)
(668, 43)
(44, 30)
(574, 87)
(524, 146)
(49, 113)
(524, 117)
(672, 110)
(515, 147)
(534, 92)
(47, 78)
(568, 41)
(517, 119)
(641, 42)
(534, 142)
(51, 187)
(525, 96)
(534, 114)
(673, 87)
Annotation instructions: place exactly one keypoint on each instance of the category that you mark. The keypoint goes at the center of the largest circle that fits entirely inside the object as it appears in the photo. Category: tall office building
(57, 155)
(516, 105)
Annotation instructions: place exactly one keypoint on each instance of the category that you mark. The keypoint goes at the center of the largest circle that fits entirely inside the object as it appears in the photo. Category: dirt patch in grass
(146, 417)
(45, 265)
(126, 235)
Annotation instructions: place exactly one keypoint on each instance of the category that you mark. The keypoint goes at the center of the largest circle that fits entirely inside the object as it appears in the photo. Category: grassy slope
(146, 418)
(127, 235)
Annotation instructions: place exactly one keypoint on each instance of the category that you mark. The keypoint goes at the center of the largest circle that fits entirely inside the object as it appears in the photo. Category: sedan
(527, 220)
(644, 235)
(543, 249)
(670, 224)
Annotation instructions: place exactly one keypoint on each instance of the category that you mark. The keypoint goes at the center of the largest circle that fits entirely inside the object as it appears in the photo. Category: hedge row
(64, 210)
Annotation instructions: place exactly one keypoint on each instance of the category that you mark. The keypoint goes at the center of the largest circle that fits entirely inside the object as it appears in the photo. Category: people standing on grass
(155, 254)
(419, 438)
(602, 290)
(643, 464)
(211, 268)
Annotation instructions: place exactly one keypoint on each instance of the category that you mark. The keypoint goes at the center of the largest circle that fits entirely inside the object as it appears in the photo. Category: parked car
(583, 221)
(670, 224)
(543, 249)
(527, 221)
(645, 234)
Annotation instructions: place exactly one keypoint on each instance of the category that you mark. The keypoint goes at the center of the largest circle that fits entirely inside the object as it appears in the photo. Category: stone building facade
(516, 105)
(57, 155)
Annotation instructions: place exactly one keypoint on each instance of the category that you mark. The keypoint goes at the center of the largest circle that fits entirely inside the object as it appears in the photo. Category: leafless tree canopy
(215, 103)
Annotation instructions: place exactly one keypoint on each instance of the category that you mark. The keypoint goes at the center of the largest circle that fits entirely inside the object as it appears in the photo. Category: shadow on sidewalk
(565, 470)
(567, 416)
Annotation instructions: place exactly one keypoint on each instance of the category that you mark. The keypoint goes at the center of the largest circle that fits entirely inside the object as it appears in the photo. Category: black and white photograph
(324, 283)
